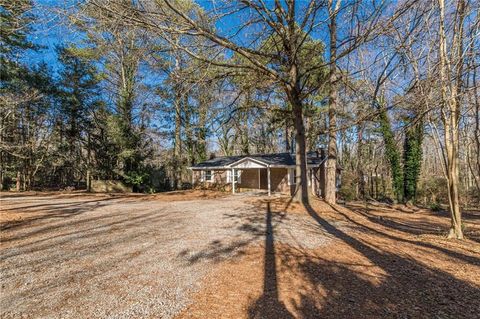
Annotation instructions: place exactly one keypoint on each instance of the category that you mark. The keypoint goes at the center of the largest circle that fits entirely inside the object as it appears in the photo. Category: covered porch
(251, 174)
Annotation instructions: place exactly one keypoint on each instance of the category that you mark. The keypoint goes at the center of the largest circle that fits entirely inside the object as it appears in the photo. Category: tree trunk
(188, 133)
(89, 174)
(301, 189)
(202, 132)
(450, 113)
(330, 181)
(287, 138)
(301, 184)
(359, 167)
(453, 196)
(475, 166)
(18, 181)
(2, 156)
(391, 152)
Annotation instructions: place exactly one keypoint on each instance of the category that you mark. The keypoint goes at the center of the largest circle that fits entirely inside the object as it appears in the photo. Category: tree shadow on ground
(249, 227)
(408, 287)
(269, 305)
(45, 211)
(397, 226)
(418, 224)
(356, 276)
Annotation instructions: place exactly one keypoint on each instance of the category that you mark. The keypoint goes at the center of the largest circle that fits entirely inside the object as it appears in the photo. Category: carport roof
(275, 159)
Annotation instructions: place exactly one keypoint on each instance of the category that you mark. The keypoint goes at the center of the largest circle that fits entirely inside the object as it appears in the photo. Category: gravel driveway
(122, 257)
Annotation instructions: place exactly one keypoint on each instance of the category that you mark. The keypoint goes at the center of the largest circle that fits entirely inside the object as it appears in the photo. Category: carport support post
(233, 180)
(268, 178)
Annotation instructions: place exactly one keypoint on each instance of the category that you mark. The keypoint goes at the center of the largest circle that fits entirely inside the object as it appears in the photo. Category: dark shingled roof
(218, 161)
(281, 159)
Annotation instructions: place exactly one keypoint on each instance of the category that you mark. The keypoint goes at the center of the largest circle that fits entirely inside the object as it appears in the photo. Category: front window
(237, 176)
(208, 176)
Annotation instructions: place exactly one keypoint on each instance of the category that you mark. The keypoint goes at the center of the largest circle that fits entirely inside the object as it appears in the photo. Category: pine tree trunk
(330, 181)
(301, 186)
(301, 183)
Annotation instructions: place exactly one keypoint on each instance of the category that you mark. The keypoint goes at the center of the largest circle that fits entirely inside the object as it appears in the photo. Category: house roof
(275, 159)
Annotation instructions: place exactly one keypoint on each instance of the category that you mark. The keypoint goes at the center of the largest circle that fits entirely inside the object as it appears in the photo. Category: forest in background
(147, 88)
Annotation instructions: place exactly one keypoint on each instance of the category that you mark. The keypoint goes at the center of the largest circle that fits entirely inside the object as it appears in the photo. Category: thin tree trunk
(2, 156)
(89, 174)
(18, 181)
(475, 171)
(287, 138)
(178, 139)
(202, 132)
(188, 133)
(360, 175)
(177, 142)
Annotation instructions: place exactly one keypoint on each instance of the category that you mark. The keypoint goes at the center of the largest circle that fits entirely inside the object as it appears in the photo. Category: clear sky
(51, 27)
(49, 31)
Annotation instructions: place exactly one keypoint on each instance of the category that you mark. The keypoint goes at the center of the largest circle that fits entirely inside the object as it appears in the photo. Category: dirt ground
(213, 255)
(383, 262)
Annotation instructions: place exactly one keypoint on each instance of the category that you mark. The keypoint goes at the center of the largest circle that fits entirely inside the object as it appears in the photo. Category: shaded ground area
(41, 208)
(382, 262)
(198, 254)
(125, 256)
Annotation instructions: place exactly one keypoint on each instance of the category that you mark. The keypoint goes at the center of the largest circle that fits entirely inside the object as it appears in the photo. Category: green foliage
(412, 160)
(27, 93)
(392, 154)
(14, 27)
(136, 178)
(348, 188)
(347, 192)
(79, 97)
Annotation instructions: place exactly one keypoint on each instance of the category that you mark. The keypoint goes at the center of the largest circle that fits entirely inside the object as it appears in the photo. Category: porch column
(233, 180)
(268, 178)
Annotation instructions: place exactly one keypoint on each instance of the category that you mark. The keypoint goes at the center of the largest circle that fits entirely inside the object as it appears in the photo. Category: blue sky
(48, 33)
(51, 29)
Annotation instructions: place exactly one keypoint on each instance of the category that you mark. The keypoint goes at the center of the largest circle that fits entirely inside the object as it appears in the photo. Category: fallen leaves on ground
(386, 263)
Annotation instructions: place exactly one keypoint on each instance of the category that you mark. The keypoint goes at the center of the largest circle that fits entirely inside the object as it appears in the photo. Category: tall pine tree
(79, 96)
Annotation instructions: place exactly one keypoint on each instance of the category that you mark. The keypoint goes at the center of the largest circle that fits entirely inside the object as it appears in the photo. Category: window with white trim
(208, 176)
(238, 175)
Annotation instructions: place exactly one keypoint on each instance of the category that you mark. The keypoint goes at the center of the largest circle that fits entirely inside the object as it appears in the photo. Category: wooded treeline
(147, 88)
